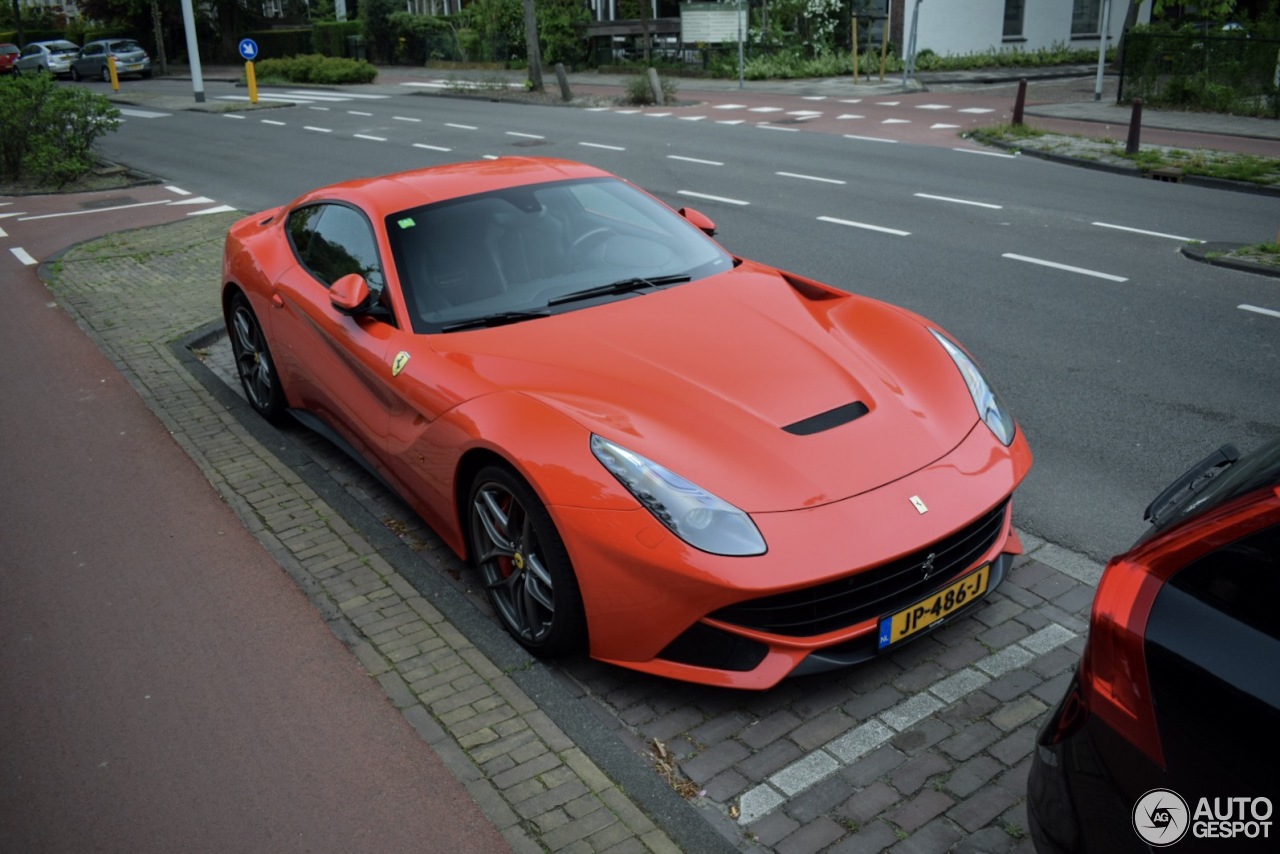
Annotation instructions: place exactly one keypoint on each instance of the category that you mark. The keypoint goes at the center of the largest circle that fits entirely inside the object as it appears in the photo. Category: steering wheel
(587, 241)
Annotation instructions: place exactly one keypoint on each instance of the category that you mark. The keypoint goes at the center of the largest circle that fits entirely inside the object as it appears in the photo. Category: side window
(1241, 580)
(336, 241)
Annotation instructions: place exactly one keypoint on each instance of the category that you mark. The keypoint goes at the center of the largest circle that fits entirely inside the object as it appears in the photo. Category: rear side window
(1241, 580)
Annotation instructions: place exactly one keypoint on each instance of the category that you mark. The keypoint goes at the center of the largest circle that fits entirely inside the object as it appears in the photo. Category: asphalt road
(1123, 361)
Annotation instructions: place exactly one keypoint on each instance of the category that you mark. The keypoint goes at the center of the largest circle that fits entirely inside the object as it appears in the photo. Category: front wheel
(75, 73)
(253, 360)
(524, 565)
(106, 74)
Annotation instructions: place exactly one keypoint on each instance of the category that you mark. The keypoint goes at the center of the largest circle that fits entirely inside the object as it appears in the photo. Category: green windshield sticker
(407, 222)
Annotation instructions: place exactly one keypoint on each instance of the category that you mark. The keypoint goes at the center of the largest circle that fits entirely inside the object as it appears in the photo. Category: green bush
(47, 131)
(418, 38)
(640, 93)
(315, 68)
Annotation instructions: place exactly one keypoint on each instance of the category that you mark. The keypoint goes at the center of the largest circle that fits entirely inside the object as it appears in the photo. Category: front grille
(870, 593)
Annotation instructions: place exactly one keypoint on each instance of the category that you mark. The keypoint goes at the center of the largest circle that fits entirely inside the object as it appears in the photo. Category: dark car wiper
(622, 286)
(498, 318)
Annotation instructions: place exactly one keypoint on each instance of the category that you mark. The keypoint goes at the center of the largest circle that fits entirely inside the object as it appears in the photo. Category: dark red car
(1167, 733)
(8, 56)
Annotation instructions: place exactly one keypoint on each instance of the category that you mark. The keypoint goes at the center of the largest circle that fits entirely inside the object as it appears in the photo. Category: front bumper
(656, 605)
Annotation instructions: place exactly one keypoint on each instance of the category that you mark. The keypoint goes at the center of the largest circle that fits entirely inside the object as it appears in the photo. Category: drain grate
(1171, 174)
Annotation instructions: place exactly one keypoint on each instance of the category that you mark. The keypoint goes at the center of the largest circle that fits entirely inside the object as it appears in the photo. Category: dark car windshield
(1258, 469)
(59, 47)
(518, 252)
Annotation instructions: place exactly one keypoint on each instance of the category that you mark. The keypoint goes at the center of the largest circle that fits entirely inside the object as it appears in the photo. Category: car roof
(388, 194)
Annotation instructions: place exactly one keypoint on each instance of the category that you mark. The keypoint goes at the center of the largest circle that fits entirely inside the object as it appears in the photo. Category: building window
(1086, 17)
(1013, 17)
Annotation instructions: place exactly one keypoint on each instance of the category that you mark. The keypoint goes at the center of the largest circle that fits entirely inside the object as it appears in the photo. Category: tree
(531, 45)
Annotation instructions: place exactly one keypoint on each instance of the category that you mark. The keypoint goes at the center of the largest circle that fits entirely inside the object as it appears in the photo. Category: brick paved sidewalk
(925, 749)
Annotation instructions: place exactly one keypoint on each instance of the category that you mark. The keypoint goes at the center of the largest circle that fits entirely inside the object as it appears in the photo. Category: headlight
(990, 409)
(694, 515)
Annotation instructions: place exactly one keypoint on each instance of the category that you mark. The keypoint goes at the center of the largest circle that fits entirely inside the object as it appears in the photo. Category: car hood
(750, 383)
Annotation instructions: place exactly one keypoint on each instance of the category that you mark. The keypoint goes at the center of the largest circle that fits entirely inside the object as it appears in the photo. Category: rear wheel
(253, 360)
(524, 565)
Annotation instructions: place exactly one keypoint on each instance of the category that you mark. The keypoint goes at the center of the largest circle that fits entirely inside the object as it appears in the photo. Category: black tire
(524, 565)
(254, 365)
(75, 74)
(106, 74)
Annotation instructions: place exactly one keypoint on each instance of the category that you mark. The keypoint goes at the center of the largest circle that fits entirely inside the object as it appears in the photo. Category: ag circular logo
(1161, 817)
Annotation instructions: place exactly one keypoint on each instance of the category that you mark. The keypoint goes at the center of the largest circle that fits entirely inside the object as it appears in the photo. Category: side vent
(828, 420)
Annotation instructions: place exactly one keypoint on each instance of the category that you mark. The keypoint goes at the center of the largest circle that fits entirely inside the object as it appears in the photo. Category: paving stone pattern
(924, 749)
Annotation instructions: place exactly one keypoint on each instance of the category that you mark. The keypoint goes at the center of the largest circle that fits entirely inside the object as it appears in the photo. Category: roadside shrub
(640, 93)
(47, 131)
(314, 68)
(419, 38)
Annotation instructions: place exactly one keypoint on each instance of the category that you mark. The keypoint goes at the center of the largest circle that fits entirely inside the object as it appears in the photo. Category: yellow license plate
(926, 612)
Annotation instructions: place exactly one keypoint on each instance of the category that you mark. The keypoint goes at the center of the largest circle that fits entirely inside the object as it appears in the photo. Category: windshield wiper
(498, 318)
(622, 286)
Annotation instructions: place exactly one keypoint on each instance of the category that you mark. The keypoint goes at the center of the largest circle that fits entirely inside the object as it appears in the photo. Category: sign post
(249, 51)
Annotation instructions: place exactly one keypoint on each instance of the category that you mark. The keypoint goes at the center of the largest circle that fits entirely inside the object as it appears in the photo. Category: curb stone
(1213, 254)
(1129, 171)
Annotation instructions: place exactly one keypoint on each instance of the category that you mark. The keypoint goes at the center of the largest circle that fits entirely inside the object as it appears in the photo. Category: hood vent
(828, 420)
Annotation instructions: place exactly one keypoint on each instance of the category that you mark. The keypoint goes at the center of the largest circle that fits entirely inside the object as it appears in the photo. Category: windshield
(518, 252)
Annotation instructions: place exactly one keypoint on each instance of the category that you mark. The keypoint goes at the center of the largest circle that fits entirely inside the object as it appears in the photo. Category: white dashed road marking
(959, 201)
(868, 138)
(1143, 231)
(864, 225)
(694, 160)
(810, 178)
(1067, 267)
(1256, 310)
(694, 195)
(23, 256)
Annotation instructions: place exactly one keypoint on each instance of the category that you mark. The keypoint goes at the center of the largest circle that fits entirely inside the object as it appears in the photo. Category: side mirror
(350, 295)
(699, 220)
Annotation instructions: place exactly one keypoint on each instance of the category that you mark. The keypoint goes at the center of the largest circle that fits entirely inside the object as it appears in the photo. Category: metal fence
(1223, 73)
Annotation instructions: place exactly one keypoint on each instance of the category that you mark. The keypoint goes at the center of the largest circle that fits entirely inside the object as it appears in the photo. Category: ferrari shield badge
(398, 363)
(917, 503)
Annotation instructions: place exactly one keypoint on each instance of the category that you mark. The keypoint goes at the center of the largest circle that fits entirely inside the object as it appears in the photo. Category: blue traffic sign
(248, 49)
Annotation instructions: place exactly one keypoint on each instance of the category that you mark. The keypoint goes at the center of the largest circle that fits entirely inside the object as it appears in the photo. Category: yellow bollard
(253, 82)
(115, 78)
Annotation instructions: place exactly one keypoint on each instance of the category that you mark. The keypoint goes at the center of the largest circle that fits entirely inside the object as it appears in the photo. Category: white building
(960, 27)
